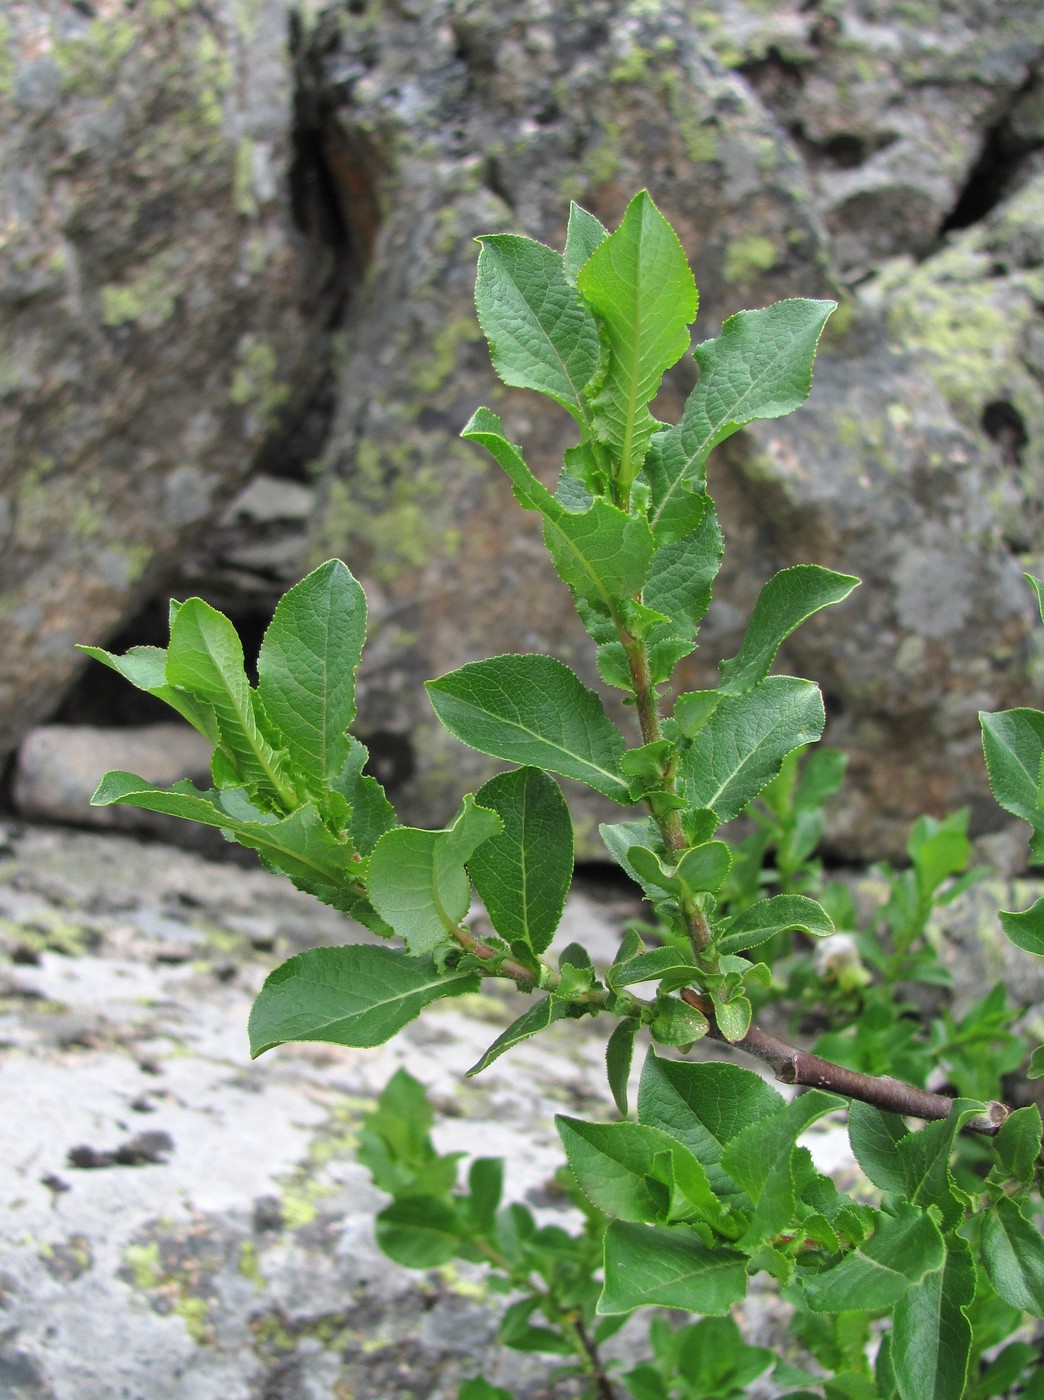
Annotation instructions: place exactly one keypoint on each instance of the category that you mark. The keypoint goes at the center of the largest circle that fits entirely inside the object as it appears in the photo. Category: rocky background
(237, 336)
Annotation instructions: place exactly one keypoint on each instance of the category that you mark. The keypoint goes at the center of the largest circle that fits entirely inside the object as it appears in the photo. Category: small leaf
(298, 846)
(704, 1106)
(742, 745)
(1013, 745)
(420, 1232)
(146, 669)
(619, 1052)
(902, 1251)
(641, 288)
(1013, 1253)
(660, 1266)
(768, 917)
(694, 870)
(1026, 930)
(583, 235)
(307, 665)
(1036, 1064)
(358, 995)
(541, 335)
(417, 881)
(533, 710)
(205, 657)
(931, 1334)
(478, 1388)
(786, 601)
(759, 367)
(524, 873)
(602, 553)
(538, 1017)
(671, 964)
(1017, 1143)
(875, 1137)
(615, 1167)
(676, 1022)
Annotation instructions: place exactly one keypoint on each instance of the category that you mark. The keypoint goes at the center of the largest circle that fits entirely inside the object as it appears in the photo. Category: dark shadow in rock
(145, 1149)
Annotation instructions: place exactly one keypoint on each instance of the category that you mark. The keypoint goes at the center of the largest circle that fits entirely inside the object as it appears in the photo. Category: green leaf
(420, 1232)
(602, 552)
(371, 812)
(931, 1334)
(478, 1388)
(875, 1137)
(786, 601)
(541, 335)
(741, 746)
(656, 965)
(768, 917)
(205, 657)
(583, 235)
(417, 880)
(619, 1052)
(359, 995)
(1017, 1143)
(1038, 588)
(759, 1159)
(1026, 930)
(1013, 1253)
(146, 669)
(1013, 745)
(485, 1188)
(903, 1250)
(639, 284)
(628, 1171)
(660, 1266)
(759, 367)
(696, 869)
(620, 837)
(704, 1106)
(679, 585)
(537, 1018)
(523, 874)
(298, 846)
(533, 710)
(1036, 1064)
(306, 669)
(676, 1022)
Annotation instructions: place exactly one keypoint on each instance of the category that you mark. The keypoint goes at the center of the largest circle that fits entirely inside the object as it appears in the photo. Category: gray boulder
(160, 313)
(913, 463)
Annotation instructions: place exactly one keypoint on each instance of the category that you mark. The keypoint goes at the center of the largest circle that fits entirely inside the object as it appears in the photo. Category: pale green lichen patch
(747, 257)
(148, 297)
(254, 381)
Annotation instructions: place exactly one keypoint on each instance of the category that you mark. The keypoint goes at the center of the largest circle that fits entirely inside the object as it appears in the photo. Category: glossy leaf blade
(583, 234)
(779, 914)
(541, 335)
(931, 1335)
(759, 367)
(786, 601)
(205, 656)
(360, 995)
(146, 669)
(602, 553)
(538, 1017)
(307, 665)
(1013, 745)
(1026, 929)
(704, 1106)
(901, 1252)
(650, 1265)
(742, 745)
(1013, 1252)
(298, 846)
(533, 710)
(640, 286)
(417, 880)
(523, 874)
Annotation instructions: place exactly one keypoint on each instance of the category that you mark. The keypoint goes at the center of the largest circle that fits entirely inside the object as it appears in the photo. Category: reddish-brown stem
(794, 1066)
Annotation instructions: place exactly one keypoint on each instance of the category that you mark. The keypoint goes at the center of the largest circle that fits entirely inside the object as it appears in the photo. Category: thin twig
(794, 1066)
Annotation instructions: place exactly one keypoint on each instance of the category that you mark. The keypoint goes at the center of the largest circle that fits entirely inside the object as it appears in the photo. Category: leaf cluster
(709, 1184)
